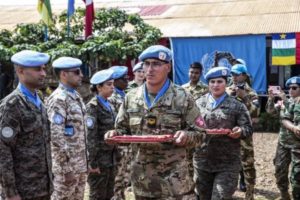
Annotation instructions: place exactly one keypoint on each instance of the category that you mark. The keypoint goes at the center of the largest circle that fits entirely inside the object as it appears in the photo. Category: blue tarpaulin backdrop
(251, 48)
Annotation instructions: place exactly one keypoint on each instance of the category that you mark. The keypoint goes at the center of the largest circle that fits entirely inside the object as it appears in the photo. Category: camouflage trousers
(74, 191)
(215, 185)
(295, 173)
(122, 180)
(190, 196)
(102, 185)
(39, 198)
(282, 162)
(247, 158)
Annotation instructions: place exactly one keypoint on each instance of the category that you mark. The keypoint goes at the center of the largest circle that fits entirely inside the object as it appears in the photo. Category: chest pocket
(75, 114)
(171, 119)
(32, 130)
(135, 121)
(297, 113)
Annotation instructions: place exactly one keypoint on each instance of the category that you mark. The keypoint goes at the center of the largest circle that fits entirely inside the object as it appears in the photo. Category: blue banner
(250, 48)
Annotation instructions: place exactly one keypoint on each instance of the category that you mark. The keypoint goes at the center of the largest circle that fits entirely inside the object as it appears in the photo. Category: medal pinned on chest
(151, 121)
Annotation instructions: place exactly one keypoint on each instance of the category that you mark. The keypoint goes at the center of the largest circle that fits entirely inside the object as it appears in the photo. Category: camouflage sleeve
(122, 120)
(289, 112)
(93, 138)
(57, 117)
(194, 123)
(10, 128)
(244, 121)
(252, 104)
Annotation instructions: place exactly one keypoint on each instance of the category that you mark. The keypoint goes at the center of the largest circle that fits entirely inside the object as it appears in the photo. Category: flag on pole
(89, 17)
(286, 49)
(44, 8)
(71, 7)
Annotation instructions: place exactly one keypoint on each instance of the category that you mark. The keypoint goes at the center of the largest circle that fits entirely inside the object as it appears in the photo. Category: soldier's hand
(110, 134)
(240, 93)
(94, 171)
(17, 197)
(296, 130)
(69, 178)
(236, 133)
(180, 138)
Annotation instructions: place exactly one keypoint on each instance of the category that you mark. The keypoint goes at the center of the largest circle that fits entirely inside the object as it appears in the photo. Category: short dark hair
(196, 65)
(93, 88)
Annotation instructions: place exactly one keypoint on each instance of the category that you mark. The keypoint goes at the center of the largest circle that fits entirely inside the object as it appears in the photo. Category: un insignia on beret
(162, 55)
(224, 72)
(294, 81)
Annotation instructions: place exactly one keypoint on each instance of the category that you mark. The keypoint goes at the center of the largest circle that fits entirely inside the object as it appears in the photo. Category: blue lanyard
(33, 98)
(104, 102)
(216, 102)
(69, 89)
(161, 92)
(120, 92)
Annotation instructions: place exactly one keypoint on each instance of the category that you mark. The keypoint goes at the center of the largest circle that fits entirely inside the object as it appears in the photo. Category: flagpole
(68, 27)
(46, 33)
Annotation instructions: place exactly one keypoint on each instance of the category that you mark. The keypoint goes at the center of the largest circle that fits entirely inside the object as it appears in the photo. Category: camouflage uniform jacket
(25, 157)
(116, 100)
(251, 99)
(222, 153)
(160, 170)
(101, 154)
(68, 150)
(132, 84)
(292, 113)
(197, 91)
(286, 137)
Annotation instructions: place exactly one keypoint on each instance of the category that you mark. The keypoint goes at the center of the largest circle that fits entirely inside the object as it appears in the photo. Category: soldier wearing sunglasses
(67, 116)
(288, 148)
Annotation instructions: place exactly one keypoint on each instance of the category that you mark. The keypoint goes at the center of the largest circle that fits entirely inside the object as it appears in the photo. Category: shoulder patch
(7, 133)
(57, 118)
(90, 122)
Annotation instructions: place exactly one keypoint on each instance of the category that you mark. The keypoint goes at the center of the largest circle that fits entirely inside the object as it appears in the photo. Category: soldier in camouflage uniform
(67, 116)
(139, 76)
(288, 142)
(245, 94)
(160, 170)
(282, 158)
(197, 89)
(195, 86)
(117, 98)
(25, 156)
(120, 82)
(102, 157)
(217, 162)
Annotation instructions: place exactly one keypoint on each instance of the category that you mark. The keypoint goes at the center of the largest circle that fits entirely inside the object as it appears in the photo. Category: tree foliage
(117, 36)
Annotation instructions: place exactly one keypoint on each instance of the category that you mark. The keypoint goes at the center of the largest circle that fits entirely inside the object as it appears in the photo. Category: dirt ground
(265, 146)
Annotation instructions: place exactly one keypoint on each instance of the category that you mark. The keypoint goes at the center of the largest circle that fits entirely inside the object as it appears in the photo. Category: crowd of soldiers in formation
(51, 149)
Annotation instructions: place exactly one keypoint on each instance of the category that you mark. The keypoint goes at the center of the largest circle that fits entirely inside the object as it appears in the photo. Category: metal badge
(151, 121)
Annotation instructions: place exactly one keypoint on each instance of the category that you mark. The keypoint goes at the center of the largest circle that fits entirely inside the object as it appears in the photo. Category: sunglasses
(77, 71)
(293, 88)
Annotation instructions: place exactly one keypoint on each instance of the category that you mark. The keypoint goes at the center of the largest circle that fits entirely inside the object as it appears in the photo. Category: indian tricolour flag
(286, 49)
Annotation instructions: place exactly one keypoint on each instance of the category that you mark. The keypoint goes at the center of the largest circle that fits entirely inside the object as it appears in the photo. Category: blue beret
(217, 72)
(119, 71)
(241, 61)
(238, 69)
(28, 58)
(66, 63)
(101, 76)
(137, 66)
(157, 52)
(293, 80)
